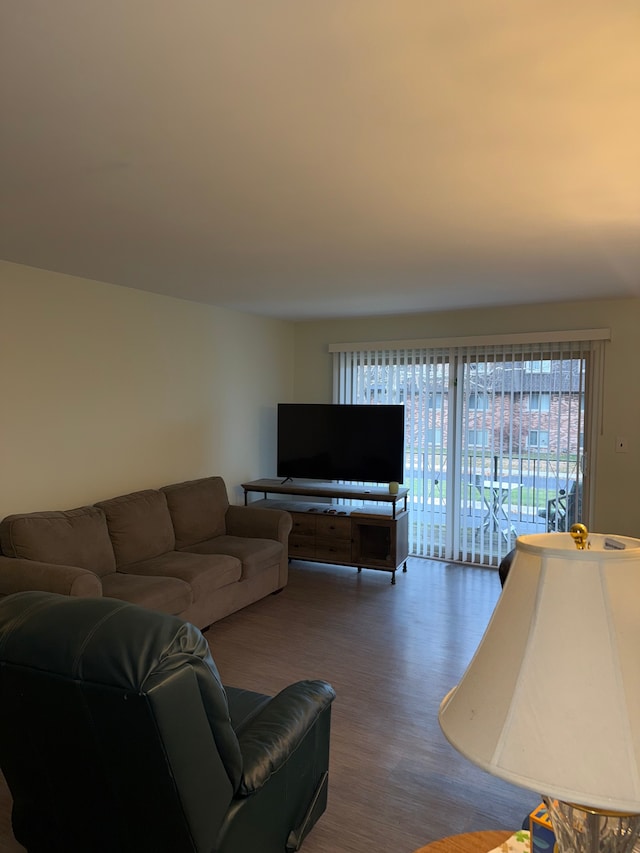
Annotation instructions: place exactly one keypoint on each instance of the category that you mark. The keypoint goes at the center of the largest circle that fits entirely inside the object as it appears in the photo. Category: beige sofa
(182, 549)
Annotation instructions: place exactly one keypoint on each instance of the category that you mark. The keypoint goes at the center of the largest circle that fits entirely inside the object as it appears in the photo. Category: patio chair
(563, 510)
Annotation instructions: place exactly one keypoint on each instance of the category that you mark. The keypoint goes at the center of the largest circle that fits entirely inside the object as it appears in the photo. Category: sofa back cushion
(139, 526)
(74, 537)
(198, 509)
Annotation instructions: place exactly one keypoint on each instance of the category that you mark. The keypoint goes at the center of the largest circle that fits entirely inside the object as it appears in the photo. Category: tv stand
(354, 534)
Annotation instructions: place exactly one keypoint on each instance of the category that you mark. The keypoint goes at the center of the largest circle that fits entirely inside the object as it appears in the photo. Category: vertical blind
(497, 434)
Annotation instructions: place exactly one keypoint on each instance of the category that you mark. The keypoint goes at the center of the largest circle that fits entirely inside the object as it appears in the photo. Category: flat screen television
(331, 441)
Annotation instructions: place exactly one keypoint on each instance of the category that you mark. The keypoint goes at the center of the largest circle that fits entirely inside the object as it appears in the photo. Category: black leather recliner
(117, 735)
(505, 566)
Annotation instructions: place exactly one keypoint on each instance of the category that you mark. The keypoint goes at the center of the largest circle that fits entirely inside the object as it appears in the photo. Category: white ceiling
(319, 158)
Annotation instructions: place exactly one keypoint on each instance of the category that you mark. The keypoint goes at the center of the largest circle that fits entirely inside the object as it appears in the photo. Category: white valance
(567, 335)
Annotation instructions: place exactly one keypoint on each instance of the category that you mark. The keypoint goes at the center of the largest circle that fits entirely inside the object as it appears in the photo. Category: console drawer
(302, 546)
(334, 550)
(303, 525)
(333, 526)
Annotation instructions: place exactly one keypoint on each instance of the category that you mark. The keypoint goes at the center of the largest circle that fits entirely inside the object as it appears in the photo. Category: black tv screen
(328, 441)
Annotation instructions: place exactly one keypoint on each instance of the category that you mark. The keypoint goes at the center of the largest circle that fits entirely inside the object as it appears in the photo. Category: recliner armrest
(276, 732)
(260, 522)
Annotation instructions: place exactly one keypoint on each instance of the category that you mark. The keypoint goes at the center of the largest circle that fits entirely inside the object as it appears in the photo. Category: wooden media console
(368, 528)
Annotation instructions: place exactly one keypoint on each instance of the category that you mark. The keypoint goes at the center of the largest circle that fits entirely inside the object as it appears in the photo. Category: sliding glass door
(495, 438)
(522, 445)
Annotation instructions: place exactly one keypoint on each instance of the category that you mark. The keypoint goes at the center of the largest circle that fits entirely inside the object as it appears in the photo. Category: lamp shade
(551, 698)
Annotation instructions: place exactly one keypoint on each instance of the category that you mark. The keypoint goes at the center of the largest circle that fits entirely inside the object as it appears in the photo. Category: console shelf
(372, 534)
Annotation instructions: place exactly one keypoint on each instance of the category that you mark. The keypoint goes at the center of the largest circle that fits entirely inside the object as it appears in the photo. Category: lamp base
(581, 830)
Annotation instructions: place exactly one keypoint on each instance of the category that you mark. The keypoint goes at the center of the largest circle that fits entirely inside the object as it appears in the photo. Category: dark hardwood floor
(391, 653)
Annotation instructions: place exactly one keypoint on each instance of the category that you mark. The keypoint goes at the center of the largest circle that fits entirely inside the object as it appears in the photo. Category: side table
(468, 842)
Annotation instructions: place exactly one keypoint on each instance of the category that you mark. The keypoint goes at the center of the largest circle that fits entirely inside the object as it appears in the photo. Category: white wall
(107, 390)
(617, 499)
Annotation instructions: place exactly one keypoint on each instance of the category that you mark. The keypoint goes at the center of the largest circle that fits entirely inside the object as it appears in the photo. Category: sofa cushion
(75, 537)
(198, 509)
(139, 526)
(166, 595)
(205, 573)
(256, 555)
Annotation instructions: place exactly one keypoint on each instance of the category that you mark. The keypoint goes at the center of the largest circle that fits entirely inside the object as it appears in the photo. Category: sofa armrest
(259, 522)
(278, 729)
(18, 575)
